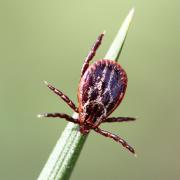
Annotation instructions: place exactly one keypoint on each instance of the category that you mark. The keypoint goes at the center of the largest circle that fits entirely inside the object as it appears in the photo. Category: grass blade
(117, 45)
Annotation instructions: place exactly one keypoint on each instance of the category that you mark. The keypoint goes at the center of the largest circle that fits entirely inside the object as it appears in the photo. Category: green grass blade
(117, 45)
(65, 153)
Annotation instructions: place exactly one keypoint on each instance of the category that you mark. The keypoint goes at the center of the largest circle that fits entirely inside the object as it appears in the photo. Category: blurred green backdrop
(48, 40)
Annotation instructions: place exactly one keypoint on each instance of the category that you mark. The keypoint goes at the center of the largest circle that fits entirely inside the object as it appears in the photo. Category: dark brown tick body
(101, 89)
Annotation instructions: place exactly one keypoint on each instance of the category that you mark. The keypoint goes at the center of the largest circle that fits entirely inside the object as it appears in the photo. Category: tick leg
(59, 115)
(91, 53)
(116, 138)
(119, 119)
(62, 96)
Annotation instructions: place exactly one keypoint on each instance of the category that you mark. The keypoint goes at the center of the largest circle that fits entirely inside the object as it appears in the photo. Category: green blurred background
(48, 40)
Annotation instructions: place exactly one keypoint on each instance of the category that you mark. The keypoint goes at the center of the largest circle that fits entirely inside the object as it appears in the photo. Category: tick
(101, 89)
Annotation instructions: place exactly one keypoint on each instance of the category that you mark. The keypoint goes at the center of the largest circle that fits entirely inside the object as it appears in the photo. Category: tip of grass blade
(129, 17)
(116, 47)
(131, 12)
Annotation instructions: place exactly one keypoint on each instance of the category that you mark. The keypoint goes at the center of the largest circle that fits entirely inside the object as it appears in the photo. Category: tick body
(101, 89)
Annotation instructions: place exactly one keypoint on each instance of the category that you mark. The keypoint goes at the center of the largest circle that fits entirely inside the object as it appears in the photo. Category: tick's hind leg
(115, 138)
(119, 119)
(59, 115)
(62, 96)
(91, 53)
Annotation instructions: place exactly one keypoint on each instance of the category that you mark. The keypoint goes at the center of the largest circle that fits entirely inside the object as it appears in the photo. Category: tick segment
(101, 89)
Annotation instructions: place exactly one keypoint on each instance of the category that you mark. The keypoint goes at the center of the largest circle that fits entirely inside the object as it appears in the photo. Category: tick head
(92, 114)
(84, 129)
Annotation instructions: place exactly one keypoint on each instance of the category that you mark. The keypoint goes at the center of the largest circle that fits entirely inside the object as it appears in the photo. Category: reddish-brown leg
(91, 53)
(59, 115)
(119, 119)
(62, 96)
(116, 138)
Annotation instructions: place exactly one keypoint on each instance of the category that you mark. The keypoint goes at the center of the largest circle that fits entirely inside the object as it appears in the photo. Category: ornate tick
(101, 89)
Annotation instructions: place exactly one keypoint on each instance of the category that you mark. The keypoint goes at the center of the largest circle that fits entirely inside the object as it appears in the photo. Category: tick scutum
(102, 88)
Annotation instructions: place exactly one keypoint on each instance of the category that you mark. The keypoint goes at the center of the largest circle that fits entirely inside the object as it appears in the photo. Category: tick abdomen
(101, 89)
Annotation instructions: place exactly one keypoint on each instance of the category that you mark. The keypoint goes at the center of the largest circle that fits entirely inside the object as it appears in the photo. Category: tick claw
(41, 115)
(135, 155)
(46, 83)
(104, 32)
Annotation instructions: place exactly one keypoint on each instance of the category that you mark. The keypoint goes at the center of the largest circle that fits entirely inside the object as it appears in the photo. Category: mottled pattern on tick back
(101, 89)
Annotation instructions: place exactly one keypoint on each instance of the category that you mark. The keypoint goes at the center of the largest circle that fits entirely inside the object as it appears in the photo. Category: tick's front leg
(119, 119)
(62, 96)
(91, 53)
(59, 115)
